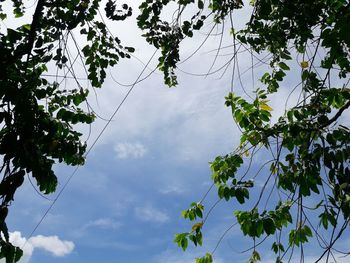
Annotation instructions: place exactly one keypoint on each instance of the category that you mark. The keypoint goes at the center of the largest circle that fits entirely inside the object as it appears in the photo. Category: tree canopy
(38, 116)
(305, 191)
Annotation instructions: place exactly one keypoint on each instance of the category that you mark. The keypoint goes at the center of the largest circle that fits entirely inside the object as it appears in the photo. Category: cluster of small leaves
(276, 248)
(271, 80)
(103, 51)
(221, 9)
(163, 34)
(251, 117)
(181, 240)
(205, 259)
(255, 257)
(114, 14)
(271, 26)
(193, 213)
(195, 236)
(224, 169)
(328, 216)
(37, 117)
(167, 35)
(255, 224)
(299, 235)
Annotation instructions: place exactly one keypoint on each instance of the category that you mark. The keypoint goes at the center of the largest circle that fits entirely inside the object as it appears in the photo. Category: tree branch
(336, 116)
(32, 33)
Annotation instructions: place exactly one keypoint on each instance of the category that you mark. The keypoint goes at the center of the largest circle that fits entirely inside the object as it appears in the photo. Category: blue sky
(124, 205)
(153, 160)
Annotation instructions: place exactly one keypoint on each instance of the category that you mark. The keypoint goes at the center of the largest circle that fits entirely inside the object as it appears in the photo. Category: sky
(151, 162)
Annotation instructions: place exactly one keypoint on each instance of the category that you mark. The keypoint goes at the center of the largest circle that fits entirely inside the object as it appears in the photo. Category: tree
(37, 114)
(307, 175)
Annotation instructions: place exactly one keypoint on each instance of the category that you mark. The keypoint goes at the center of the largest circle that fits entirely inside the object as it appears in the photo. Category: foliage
(37, 115)
(309, 144)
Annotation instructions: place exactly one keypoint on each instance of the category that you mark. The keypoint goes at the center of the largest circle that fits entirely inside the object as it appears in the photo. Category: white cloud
(101, 223)
(171, 189)
(151, 214)
(52, 244)
(130, 150)
(105, 223)
(191, 120)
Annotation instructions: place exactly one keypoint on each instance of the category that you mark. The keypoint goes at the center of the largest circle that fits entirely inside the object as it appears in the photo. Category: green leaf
(307, 231)
(283, 66)
(18, 13)
(259, 228)
(239, 195)
(130, 49)
(269, 226)
(18, 254)
(184, 244)
(200, 4)
(181, 240)
(304, 75)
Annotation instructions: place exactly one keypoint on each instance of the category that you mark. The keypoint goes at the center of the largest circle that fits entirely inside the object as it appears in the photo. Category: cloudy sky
(151, 162)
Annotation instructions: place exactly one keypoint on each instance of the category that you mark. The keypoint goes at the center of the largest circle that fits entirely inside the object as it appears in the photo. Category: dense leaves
(37, 115)
(308, 144)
